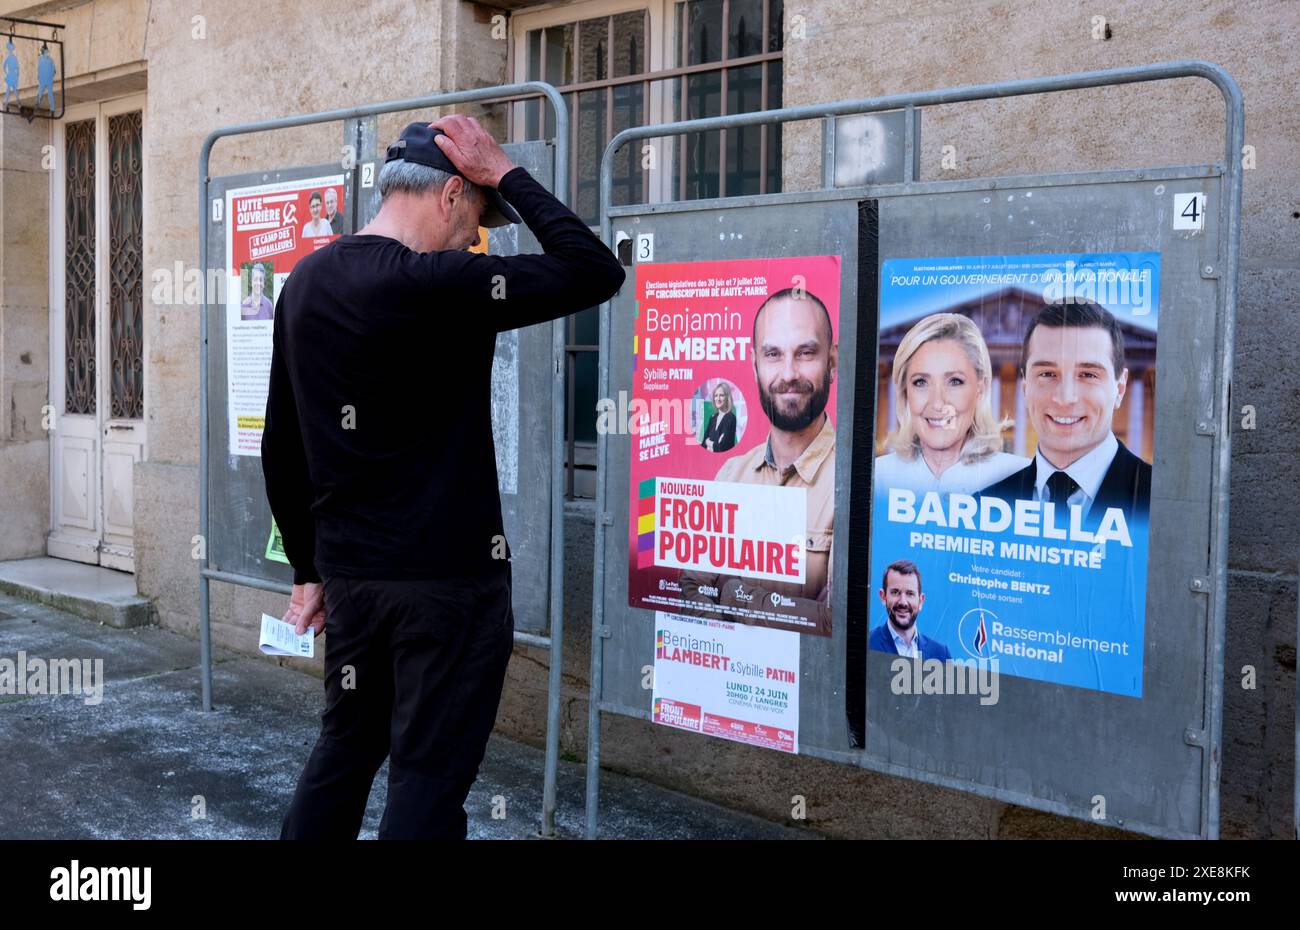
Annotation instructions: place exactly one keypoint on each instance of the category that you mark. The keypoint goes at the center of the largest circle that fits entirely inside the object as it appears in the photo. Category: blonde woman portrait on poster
(947, 439)
(720, 433)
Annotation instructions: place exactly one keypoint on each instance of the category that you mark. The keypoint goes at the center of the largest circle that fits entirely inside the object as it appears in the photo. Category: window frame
(660, 47)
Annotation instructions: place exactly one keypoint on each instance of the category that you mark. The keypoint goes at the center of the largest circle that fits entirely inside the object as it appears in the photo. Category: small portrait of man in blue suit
(900, 593)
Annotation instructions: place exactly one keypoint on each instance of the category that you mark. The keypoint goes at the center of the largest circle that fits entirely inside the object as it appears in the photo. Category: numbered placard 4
(1189, 211)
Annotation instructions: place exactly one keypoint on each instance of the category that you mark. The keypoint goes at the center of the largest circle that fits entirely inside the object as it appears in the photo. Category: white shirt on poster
(1088, 473)
(315, 229)
(894, 471)
(909, 650)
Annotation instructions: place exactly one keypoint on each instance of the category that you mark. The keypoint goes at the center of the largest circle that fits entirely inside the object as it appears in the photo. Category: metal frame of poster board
(553, 365)
(1197, 435)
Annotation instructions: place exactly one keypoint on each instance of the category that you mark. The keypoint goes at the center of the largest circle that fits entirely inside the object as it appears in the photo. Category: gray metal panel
(239, 516)
(1043, 745)
(870, 148)
(1067, 745)
(523, 373)
(829, 228)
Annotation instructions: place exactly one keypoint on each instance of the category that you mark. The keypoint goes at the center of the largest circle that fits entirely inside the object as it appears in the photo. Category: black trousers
(413, 672)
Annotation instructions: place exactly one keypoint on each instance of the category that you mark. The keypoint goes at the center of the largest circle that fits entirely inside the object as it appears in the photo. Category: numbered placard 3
(645, 247)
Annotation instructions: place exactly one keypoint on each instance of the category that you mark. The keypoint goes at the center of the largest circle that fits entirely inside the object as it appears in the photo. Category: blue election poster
(1012, 480)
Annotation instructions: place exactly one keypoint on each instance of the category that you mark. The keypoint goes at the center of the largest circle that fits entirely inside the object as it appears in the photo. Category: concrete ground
(146, 762)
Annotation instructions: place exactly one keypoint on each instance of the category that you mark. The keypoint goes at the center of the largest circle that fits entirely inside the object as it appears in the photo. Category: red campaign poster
(732, 491)
(268, 229)
(284, 221)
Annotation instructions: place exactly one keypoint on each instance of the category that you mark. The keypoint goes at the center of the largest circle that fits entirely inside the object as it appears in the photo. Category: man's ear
(453, 190)
(1121, 386)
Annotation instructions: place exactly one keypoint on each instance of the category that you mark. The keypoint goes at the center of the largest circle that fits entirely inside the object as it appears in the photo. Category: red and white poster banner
(732, 427)
(727, 680)
(268, 229)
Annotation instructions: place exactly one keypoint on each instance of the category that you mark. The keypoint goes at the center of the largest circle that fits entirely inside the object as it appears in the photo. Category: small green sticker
(275, 546)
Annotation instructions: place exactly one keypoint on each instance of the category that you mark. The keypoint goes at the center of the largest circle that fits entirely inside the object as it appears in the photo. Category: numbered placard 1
(368, 174)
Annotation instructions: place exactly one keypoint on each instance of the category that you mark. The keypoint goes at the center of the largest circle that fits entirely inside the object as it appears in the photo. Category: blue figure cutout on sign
(11, 72)
(45, 77)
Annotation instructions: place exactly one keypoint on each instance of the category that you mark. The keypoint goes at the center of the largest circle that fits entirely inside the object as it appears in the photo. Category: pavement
(141, 760)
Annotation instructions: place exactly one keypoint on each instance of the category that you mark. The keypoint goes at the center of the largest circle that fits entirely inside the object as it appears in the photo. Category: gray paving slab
(145, 761)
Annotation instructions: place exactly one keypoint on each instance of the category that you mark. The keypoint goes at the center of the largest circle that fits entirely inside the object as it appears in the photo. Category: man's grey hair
(413, 178)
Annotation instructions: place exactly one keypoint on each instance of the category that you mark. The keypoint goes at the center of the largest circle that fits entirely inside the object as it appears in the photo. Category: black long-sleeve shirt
(377, 448)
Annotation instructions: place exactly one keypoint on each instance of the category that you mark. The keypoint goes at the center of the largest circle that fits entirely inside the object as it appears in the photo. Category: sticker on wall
(275, 546)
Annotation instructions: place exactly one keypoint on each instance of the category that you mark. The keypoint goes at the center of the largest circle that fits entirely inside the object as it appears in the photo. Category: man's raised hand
(472, 149)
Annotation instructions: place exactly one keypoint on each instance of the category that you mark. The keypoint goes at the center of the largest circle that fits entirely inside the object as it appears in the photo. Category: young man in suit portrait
(900, 592)
(1074, 376)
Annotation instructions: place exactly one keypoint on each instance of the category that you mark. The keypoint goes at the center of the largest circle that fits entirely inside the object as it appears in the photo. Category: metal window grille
(79, 290)
(125, 266)
(729, 56)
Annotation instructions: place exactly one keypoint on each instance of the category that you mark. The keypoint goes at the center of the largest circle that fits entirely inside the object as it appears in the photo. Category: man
(256, 306)
(794, 358)
(11, 72)
(45, 78)
(332, 214)
(381, 472)
(900, 592)
(1074, 379)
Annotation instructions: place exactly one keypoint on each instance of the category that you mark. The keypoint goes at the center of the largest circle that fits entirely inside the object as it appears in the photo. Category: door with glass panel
(97, 331)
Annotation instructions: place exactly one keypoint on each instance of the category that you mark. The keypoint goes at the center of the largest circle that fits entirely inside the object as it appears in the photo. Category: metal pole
(205, 594)
(559, 340)
(556, 604)
(1234, 135)
(1230, 250)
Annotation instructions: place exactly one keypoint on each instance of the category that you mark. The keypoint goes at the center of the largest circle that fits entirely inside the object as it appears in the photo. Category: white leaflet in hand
(279, 639)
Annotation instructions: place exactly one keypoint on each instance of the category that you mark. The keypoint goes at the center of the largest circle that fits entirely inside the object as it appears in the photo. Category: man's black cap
(416, 144)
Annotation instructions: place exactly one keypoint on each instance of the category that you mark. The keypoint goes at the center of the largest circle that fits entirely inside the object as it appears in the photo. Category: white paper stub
(279, 639)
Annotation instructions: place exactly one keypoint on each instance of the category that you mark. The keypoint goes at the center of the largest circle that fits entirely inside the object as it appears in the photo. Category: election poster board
(1012, 482)
(731, 421)
(728, 680)
(269, 228)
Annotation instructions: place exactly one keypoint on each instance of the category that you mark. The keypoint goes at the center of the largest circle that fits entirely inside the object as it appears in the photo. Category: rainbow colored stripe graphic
(645, 524)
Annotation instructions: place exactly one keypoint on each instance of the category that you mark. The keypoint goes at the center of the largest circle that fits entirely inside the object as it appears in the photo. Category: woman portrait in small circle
(720, 432)
(317, 226)
(947, 438)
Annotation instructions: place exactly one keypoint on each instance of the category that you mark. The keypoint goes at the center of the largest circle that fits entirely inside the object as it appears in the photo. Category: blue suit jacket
(882, 641)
